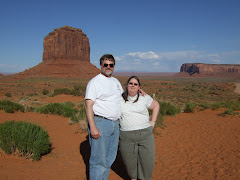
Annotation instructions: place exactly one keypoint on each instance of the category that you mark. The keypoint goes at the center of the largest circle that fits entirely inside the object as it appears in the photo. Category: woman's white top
(135, 116)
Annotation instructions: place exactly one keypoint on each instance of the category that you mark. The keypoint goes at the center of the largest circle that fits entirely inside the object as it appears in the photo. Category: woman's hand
(152, 123)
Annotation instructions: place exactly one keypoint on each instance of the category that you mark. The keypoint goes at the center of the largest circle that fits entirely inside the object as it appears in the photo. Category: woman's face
(133, 87)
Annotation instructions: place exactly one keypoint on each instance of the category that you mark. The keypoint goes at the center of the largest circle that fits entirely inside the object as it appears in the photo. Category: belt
(100, 116)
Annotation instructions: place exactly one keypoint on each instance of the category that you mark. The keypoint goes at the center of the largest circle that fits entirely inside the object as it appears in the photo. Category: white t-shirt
(106, 93)
(135, 116)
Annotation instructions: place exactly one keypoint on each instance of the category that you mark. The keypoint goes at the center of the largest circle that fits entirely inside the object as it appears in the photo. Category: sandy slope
(202, 145)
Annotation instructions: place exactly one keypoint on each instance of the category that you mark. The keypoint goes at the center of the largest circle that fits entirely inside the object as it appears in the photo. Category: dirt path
(202, 145)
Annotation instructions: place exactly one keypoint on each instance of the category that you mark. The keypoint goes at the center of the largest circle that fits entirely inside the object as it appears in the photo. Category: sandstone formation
(66, 54)
(210, 69)
(66, 43)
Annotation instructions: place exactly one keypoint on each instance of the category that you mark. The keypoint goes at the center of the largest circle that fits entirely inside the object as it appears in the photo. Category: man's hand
(142, 92)
(90, 117)
(95, 133)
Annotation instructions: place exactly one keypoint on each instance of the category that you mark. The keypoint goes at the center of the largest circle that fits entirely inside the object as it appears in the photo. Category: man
(102, 104)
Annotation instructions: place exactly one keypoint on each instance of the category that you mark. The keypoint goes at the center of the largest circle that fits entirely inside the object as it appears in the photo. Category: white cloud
(143, 55)
(172, 61)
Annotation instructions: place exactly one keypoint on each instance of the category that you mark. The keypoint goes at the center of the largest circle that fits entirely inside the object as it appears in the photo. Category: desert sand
(201, 145)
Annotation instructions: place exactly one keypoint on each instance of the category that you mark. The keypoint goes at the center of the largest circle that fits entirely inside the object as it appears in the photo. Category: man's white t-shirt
(135, 116)
(106, 93)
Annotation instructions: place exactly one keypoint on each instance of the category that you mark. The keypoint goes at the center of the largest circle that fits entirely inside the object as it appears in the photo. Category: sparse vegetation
(64, 109)
(10, 107)
(8, 94)
(25, 139)
(78, 90)
(45, 92)
(230, 106)
(189, 107)
(166, 109)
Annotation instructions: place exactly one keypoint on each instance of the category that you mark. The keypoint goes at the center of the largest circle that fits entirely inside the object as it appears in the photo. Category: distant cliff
(200, 68)
(66, 43)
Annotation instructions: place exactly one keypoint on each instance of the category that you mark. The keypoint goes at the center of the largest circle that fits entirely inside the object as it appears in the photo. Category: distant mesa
(210, 69)
(66, 43)
(66, 54)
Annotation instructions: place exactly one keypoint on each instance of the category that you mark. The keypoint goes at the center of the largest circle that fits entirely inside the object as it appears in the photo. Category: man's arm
(90, 117)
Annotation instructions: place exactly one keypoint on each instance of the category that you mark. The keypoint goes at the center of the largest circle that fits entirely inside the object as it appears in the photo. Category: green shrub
(229, 111)
(26, 139)
(189, 107)
(159, 122)
(45, 92)
(215, 106)
(167, 108)
(204, 105)
(62, 91)
(8, 94)
(234, 105)
(80, 115)
(63, 109)
(10, 107)
(79, 90)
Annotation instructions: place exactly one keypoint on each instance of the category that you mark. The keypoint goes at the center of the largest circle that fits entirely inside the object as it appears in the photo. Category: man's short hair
(108, 57)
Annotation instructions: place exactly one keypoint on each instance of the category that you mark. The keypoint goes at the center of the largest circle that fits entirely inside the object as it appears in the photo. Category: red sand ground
(200, 145)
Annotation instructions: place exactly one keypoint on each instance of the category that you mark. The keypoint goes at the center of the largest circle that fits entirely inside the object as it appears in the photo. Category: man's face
(107, 67)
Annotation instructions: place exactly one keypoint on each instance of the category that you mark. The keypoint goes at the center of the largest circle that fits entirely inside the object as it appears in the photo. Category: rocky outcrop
(66, 54)
(66, 43)
(210, 69)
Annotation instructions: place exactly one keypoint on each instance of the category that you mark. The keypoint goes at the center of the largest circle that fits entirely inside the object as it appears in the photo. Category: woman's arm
(155, 109)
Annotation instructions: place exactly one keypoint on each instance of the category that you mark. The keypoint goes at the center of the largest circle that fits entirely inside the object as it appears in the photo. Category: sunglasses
(135, 84)
(106, 65)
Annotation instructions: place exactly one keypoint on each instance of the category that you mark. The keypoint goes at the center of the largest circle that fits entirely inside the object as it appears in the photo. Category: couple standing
(106, 103)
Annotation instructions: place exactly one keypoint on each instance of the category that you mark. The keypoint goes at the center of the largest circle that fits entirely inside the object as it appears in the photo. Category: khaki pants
(138, 152)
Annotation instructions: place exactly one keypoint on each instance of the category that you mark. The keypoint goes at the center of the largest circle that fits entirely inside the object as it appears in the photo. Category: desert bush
(215, 106)
(189, 107)
(167, 108)
(25, 139)
(229, 111)
(204, 105)
(10, 107)
(62, 91)
(45, 92)
(160, 121)
(79, 90)
(234, 105)
(63, 109)
(8, 94)
(80, 115)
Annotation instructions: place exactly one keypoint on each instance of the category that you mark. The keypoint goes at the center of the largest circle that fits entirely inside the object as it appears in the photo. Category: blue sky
(143, 35)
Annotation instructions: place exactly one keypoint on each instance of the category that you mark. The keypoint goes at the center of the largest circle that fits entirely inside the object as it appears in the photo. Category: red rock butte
(201, 69)
(66, 54)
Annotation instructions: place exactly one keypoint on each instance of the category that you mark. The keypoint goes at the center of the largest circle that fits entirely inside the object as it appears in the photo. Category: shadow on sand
(118, 166)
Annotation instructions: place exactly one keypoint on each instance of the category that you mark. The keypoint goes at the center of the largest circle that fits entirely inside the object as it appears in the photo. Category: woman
(137, 145)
